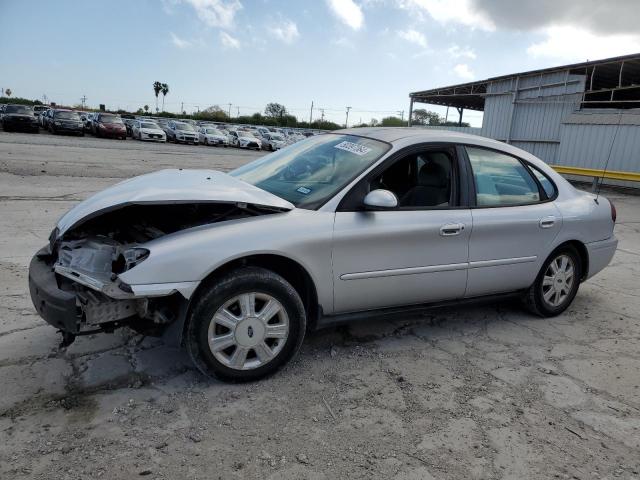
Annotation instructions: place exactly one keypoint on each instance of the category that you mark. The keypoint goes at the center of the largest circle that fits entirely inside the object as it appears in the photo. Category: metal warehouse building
(571, 116)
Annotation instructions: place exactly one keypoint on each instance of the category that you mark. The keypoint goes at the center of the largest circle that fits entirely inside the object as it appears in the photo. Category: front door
(413, 254)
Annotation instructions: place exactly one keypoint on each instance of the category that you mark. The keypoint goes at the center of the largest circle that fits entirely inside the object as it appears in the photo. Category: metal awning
(609, 83)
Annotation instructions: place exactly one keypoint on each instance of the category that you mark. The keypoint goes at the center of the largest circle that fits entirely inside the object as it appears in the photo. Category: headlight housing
(129, 258)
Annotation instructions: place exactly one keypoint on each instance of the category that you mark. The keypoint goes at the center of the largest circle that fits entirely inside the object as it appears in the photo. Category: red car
(108, 125)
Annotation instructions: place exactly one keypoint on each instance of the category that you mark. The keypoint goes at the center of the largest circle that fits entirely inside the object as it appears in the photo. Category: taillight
(614, 213)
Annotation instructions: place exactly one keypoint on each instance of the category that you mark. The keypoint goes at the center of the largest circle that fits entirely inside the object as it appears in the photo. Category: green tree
(422, 116)
(146, 108)
(7, 92)
(157, 88)
(393, 122)
(164, 90)
(275, 110)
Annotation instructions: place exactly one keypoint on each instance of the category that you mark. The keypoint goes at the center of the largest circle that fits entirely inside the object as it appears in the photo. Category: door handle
(451, 229)
(547, 222)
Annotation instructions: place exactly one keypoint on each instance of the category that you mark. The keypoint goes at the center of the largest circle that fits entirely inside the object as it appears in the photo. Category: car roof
(394, 134)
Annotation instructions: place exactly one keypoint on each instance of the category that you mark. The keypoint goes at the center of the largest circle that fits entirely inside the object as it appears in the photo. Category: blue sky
(367, 54)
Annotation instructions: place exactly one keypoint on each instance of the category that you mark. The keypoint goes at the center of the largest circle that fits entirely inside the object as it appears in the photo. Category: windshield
(245, 134)
(68, 115)
(21, 109)
(184, 126)
(213, 131)
(149, 125)
(312, 171)
(277, 138)
(110, 119)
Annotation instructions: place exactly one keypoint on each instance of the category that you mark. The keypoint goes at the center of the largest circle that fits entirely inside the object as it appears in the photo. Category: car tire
(554, 290)
(220, 303)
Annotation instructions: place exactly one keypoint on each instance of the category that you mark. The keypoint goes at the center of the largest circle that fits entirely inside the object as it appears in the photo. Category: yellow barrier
(593, 172)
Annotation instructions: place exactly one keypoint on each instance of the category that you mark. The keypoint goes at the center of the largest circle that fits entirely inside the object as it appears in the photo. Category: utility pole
(229, 110)
(311, 114)
(401, 112)
(238, 116)
(181, 107)
(198, 108)
(322, 116)
(84, 100)
(346, 123)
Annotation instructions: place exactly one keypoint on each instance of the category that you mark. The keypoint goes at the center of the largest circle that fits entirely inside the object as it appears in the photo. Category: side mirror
(380, 199)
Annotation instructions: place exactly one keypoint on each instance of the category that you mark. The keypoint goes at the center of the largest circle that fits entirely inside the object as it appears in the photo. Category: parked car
(362, 222)
(147, 130)
(273, 141)
(181, 132)
(38, 110)
(87, 119)
(213, 136)
(19, 117)
(45, 118)
(128, 125)
(108, 125)
(244, 139)
(66, 121)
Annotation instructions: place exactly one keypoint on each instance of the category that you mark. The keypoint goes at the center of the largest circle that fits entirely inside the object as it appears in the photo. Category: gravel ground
(475, 392)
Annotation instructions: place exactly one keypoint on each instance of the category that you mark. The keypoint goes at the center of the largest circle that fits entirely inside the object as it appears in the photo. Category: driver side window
(423, 179)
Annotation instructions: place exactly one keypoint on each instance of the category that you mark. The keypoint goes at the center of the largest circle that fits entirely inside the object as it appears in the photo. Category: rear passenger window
(546, 183)
(500, 179)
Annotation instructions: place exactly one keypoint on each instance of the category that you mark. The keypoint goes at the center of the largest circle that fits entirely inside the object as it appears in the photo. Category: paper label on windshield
(353, 148)
(304, 190)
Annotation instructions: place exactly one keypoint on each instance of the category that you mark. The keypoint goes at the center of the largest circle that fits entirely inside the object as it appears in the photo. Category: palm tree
(157, 88)
(146, 108)
(165, 90)
(7, 92)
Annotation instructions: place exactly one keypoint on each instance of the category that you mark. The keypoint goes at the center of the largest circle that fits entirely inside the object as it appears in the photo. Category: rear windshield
(110, 119)
(67, 115)
(184, 126)
(148, 125)
(22, 109)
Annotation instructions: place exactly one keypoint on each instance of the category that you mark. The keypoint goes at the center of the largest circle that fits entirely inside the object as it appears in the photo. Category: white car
(212, 136)
(146, 130)
(273, 141)
(244, 139)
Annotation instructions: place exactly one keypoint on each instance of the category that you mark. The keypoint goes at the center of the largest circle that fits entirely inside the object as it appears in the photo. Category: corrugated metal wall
(540, 114)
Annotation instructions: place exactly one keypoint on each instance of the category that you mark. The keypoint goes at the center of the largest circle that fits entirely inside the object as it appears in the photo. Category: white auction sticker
(353, 148)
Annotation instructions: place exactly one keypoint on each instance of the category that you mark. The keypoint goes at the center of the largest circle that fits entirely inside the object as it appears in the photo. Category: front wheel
(557, 283)
(246, 326)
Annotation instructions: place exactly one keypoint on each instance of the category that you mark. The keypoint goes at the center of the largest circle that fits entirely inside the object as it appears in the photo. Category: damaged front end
(75, 281)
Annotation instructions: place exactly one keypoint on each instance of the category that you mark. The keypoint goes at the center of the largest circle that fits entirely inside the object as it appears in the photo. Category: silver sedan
(238, 267)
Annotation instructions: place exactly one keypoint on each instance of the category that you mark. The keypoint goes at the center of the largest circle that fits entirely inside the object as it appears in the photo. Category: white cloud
(576, 44)
(461, 12)
(216, 13)
(463, 71)
(461, 52)
(228, 41)
(348, 12)
(343, 42)
(413, 36)
(179, 42)
(287, 31)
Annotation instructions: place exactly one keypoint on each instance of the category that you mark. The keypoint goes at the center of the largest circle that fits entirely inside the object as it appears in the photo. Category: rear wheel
(246, 326)
(557, 283)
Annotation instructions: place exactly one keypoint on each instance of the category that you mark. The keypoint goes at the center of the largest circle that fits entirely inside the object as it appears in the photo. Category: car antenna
(606, 165)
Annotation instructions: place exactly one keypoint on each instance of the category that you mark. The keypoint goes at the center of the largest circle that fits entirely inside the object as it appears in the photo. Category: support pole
(460, 110)
(410, 112)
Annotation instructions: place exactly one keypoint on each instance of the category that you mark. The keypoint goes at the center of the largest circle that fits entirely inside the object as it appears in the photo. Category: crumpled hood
(171, 186)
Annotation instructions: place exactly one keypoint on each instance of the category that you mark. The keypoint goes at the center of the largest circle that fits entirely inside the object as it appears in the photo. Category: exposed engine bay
(89, 258)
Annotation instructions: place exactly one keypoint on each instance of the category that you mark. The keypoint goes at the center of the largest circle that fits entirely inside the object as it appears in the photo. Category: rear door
(514, 222)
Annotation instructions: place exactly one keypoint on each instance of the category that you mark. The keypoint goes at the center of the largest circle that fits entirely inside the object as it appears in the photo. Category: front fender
(303, 236)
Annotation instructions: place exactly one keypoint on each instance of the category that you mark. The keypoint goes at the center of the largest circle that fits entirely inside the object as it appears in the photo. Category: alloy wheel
(248, 331)
(558, 280)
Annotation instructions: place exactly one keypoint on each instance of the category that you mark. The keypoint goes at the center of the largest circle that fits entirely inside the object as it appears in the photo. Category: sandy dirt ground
(476, 392)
